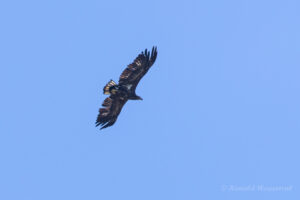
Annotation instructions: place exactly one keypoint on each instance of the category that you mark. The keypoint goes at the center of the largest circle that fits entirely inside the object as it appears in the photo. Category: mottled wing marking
(129, 86)
(107, 102)
(136, 70)
(112, 107)
(138, 63)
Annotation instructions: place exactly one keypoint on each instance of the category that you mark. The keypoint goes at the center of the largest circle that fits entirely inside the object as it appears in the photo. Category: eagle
(120, 93)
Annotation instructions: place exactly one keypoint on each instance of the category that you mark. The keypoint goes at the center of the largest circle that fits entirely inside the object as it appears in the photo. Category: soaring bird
(120, 93)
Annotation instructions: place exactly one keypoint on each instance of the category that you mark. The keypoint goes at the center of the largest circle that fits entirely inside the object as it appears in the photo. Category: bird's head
(136, 98)
(140, 98)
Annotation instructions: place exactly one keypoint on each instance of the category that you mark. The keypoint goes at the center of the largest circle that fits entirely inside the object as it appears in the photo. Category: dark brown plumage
(125, 90)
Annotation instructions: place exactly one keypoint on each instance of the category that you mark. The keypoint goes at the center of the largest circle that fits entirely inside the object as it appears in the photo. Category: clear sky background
(221, 108)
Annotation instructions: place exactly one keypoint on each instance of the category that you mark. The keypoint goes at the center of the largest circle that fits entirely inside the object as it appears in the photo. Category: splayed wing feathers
(112, 108)
(136, 70)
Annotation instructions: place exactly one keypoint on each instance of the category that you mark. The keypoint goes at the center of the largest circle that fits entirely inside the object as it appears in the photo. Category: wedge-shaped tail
(107, 86)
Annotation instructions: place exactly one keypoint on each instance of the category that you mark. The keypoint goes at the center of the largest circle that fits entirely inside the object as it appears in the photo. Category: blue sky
(220, 112)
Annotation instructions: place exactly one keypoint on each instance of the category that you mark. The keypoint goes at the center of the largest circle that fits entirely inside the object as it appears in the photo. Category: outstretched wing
(112, 107)
(136, 70)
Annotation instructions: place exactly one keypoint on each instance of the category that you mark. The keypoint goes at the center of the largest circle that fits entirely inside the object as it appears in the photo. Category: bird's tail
(107, 86)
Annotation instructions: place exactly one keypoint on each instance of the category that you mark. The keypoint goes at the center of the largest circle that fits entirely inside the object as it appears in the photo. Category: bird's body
(125, 90)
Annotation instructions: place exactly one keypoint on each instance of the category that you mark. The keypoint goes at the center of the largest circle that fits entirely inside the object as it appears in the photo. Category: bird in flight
(120, 93)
